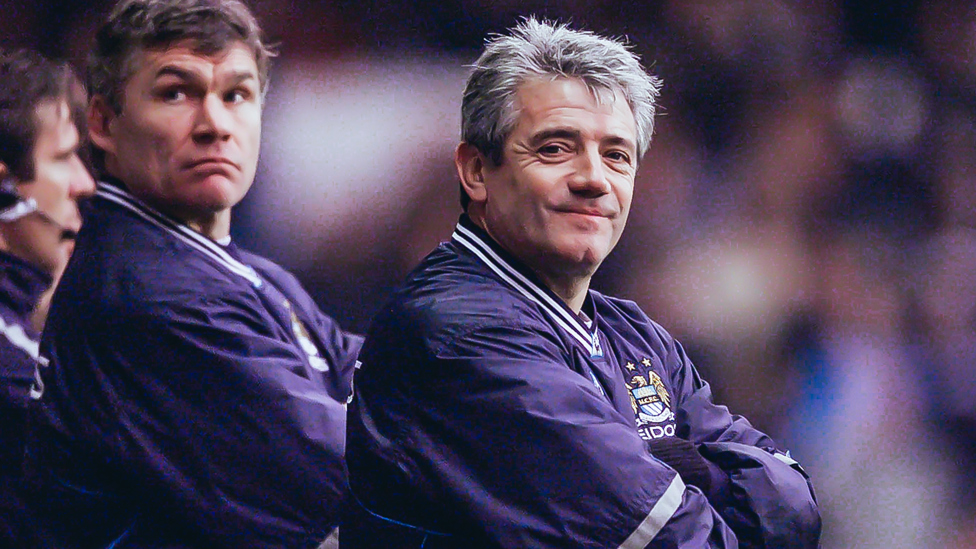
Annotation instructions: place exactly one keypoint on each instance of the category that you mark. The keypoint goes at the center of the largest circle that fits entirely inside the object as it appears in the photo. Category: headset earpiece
(12, 205)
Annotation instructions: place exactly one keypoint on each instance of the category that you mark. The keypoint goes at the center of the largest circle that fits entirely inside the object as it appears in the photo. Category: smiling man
(503, 403)
(195, 394)
(41, 180)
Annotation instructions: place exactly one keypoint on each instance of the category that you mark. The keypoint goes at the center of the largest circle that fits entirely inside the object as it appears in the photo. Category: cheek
(51, 185)
(625, 193)
(158, 138)
(250, 128)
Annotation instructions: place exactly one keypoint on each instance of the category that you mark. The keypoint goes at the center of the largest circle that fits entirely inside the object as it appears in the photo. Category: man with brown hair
(195, 393)
(41, 180)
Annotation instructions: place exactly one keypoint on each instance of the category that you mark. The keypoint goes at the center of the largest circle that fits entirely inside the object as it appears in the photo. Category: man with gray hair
(503, 403)
(195, 394)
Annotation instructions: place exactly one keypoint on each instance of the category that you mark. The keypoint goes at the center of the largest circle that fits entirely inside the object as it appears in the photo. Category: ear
(471, 167)
(100, 118)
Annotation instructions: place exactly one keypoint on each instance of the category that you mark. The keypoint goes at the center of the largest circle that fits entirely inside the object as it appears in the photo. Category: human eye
(172, 93)
(239, 94)
(618, 156)
(235, 96)
(553, 149)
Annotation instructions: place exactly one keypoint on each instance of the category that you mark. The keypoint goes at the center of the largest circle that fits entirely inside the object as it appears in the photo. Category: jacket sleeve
(207, 421)
(494, 440)
(769, 501)
(341, 348)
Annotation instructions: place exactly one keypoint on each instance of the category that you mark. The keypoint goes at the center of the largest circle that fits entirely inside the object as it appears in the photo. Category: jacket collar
(514, 273)
(114, 191)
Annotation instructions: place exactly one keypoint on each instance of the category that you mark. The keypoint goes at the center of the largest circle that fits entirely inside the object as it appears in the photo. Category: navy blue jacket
(21, 286)
(195, 395)
(487, 414)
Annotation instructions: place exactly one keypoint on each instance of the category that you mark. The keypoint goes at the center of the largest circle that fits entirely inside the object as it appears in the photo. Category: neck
(571, 288)
(572, 292)
(214, 227)
(211, 224)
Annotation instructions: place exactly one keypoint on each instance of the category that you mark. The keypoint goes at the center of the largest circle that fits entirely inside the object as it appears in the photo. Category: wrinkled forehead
(562, 98)
(189, 49)
(606, 96)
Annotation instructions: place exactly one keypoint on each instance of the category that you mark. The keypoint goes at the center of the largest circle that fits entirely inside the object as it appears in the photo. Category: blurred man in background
(195, 393)
(41, 180)
(501, 402)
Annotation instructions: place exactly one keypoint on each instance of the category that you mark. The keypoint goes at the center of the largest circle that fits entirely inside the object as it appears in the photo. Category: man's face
(60, 179)
(188, 136)
(560, 198)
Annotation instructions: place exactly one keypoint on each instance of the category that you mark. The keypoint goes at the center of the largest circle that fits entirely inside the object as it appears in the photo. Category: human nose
(591, 175)
(81, 184)
(213, 122)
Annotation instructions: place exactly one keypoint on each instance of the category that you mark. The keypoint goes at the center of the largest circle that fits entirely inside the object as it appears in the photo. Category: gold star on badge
(646, 362)
(630, 365)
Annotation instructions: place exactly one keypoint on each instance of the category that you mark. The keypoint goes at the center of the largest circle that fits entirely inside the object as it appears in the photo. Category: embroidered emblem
(649, 398)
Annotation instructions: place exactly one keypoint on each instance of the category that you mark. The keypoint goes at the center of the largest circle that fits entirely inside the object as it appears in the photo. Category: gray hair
(544, 49)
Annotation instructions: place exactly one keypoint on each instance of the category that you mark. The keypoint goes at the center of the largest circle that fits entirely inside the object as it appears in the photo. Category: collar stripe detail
(182, 232)
(526, 287)
(461, 239)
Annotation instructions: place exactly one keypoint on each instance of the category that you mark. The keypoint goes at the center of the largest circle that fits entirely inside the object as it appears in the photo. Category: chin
(587, 250)
(216, 194)
(579, 262)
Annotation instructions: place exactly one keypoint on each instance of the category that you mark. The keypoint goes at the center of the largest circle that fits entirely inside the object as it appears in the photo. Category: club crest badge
(649, 398)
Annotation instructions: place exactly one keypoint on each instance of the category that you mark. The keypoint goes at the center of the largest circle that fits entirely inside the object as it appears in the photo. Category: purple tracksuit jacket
(195, 395)
(21, 286)
(488, 414)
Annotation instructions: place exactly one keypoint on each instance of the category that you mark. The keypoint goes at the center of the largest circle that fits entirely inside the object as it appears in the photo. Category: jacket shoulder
(122, 263)
(459, 291)
(616, 311)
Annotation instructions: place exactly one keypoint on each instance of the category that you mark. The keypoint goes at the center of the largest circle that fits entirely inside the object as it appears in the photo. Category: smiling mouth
(587, 213)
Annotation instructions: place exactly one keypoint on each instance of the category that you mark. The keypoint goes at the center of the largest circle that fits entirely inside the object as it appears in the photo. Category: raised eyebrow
(238, 77)
(235, 77)
(179, 72)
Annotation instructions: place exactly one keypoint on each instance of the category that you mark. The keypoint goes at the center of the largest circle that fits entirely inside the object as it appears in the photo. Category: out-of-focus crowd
(804, 222)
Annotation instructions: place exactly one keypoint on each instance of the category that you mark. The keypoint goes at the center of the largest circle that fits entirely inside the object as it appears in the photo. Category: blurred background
(804, 222)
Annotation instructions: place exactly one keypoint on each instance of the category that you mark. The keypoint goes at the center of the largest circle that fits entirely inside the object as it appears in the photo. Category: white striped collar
(195, 240)
(473, 239)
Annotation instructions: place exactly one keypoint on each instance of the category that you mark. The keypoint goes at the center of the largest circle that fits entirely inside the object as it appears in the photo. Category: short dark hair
(135, 26)
(544, 49)
(28, 80)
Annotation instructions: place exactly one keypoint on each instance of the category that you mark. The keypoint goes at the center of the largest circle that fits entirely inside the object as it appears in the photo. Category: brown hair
(29, 79)
(135, 26)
